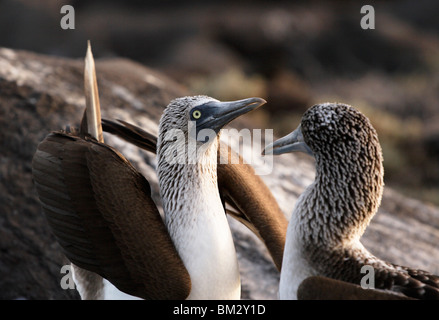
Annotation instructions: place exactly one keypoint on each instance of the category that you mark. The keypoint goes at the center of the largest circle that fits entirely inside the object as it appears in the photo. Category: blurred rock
(432, 145)
(288, 93)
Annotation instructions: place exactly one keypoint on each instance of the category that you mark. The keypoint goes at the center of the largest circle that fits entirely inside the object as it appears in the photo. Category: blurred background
(294, 54)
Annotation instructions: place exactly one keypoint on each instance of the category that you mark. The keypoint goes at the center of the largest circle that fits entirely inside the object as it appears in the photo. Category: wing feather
(100, 209)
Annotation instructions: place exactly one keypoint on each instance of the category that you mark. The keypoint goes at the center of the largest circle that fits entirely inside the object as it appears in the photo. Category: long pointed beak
(292, 142)
(217, 114)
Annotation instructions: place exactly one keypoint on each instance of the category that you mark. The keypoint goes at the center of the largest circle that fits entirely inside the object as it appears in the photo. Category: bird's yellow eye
(196, 114)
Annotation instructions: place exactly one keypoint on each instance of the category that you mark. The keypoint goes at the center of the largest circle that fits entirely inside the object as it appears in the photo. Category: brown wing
(99, 207)
(413, 283)
(256, 206)
(132, 134)
(322, 288)
(252, 202)
(347, 264)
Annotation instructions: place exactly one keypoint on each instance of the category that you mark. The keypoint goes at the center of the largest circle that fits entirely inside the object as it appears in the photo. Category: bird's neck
(188, 180)
(341, 201)
(189, 186)
(197, 224)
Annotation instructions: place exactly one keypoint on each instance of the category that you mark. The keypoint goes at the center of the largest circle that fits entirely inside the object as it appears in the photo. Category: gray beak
(290, 143)
(216, 114)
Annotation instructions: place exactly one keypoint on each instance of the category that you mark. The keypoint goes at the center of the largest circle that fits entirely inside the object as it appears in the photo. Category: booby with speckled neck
(101, 211)
(331, 215)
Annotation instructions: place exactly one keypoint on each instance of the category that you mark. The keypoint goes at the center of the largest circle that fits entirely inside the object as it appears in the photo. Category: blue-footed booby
(331, 215)
(102, 214)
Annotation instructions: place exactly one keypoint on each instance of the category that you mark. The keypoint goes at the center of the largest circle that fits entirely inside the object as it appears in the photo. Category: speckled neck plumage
(349, 183)
(183, 186)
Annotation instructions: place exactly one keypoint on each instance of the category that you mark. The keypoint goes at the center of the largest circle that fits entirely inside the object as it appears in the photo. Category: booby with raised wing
(331, 215)
(101, 211)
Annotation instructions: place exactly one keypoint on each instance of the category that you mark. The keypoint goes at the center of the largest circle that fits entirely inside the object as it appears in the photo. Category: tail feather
(91, 121)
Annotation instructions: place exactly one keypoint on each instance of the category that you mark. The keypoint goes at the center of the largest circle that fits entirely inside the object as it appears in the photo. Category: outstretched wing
(100, 209)
(252, 202)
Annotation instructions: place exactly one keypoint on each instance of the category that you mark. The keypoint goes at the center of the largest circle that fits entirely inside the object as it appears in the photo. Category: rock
(287, 93)
(40, 94)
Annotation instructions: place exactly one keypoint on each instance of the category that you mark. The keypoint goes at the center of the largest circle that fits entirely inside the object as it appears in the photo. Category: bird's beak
(290, 143)
(217, 114)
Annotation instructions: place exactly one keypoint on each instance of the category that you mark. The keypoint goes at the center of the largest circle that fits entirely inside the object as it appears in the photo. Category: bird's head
(192, 124)
(331, 132)
(349, 179)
